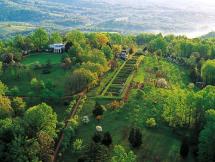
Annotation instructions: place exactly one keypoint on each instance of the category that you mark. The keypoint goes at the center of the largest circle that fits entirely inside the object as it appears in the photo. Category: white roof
(57, 45)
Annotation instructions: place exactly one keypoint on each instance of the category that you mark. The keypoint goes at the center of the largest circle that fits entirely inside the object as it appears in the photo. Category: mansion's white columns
(57, 50)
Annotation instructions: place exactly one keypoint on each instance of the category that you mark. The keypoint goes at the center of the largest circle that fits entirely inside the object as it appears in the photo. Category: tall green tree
(18, 105)
(98, 152)
(206, 139)
(5, 107)
(158, 44)
(108, 52)
(41, 118)
(76, 36)
(55, 38)
(102, 39)
(177, 112)
(208, 72)
(40, 38)
(22, 149)
(80, 79)
(184, 150)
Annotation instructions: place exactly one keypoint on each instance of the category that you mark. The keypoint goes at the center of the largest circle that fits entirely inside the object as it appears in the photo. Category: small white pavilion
(57, 48)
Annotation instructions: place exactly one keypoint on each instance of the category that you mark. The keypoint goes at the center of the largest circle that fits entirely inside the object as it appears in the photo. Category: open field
(11, 28)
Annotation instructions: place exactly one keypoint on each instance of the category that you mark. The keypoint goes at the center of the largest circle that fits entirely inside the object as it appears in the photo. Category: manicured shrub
(78, 145)
(107, 139)
(184, 150)
(85, 119)
(151, 122)
(135, 137)
(97, 137)
(98, 110)
(74, 122)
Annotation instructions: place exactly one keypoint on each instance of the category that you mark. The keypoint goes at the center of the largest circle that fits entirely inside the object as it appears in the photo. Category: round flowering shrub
(98, 128)
(151, 123)
(78, 145)
(191, 85)
(85, 120)
(74, 122)
(162, 83)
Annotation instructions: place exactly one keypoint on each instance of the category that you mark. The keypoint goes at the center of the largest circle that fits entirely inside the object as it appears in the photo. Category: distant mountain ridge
(209, 35)
(104, 15)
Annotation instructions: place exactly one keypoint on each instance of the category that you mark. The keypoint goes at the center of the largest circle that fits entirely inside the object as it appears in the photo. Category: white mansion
(57, 48)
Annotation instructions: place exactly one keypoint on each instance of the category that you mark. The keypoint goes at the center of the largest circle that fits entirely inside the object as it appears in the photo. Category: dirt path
(71, 115)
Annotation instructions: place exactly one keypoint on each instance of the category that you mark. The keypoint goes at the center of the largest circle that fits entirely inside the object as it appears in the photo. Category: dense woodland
(167, 95)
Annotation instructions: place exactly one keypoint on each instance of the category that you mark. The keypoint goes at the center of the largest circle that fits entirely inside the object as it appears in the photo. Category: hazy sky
(209, 2)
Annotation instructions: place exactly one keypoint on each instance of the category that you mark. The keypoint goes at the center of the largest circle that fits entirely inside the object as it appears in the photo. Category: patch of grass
(7, 28)
(157, 143)
(57, 77)
(139, 76)
(42, 58)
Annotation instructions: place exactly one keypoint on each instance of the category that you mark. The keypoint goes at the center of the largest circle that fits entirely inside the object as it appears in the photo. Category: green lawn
(42, 58)
(57, 74)
(139, 77)
(159, 143)
(57, 77)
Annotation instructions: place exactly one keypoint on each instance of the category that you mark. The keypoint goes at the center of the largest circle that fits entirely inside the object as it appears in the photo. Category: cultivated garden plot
(121, 81)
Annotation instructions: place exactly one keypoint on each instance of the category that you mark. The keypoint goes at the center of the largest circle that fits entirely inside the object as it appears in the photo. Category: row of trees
(178, 46)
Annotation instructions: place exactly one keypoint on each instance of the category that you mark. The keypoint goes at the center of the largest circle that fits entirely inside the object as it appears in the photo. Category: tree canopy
(208, 72)
(41, 118)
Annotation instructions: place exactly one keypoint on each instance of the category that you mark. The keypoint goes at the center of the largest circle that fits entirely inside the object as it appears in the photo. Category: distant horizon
(192, 18)
(201, 5)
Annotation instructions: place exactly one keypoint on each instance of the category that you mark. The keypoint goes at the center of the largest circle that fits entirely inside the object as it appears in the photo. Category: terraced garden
(122, 79)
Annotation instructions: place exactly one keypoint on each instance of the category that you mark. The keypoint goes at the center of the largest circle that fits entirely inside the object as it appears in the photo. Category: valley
(103, 15)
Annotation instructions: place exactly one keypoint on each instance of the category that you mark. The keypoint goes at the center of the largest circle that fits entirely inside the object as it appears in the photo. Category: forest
(107, 97)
